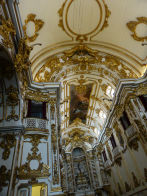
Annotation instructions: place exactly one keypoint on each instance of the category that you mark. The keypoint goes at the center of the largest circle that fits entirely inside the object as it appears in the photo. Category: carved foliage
(7, 143)
(4, 177)
(25, 171)
(132, 27)
(84, 59)
(38, 25)
(7, 29)
(22, 58)
(12, 101)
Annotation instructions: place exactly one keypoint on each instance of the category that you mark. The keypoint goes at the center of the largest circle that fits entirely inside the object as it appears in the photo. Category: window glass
(36, 109)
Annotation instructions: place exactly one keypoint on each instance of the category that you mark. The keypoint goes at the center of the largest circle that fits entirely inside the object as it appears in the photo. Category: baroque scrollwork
(25, 170)
(76, 136)
(22, 57)
(12, 101)
(4, 177)
(22, 63)
(84, 59)
(7, 30)
(132, 25)
(7, 143)
(39, 96)
(38, 25)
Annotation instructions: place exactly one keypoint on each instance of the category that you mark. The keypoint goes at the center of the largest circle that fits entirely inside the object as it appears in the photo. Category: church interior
(73, 97)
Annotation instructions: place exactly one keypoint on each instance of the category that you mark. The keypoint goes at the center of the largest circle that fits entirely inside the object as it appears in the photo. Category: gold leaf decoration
(132, 27)
(4, 177)
(38, 25)
(7, 30)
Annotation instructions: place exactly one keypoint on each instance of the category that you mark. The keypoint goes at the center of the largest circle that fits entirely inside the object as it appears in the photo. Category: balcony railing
(35, 123)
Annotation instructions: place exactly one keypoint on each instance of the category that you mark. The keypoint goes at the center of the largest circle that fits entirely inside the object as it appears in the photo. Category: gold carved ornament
(21, 62)
(7, 30)
(25, 171)
(4, 177)
(6, 144)
(40, 96)
(63, 21)
(38, 25)
(76, 136)
(85, 59)
(12, 101)
(132, 25)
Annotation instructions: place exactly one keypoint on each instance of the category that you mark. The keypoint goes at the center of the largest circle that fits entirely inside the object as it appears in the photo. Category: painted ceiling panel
(85, 44)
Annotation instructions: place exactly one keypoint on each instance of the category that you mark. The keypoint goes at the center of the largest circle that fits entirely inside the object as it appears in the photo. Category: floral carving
(132, 27)
(7, 143)
(38, 25)
(4, 177)
(7, 30)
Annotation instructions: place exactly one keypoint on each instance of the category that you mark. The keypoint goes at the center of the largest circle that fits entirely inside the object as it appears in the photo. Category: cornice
(119, 93)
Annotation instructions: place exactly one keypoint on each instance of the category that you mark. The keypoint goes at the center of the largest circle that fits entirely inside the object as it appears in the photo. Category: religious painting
(80, 96)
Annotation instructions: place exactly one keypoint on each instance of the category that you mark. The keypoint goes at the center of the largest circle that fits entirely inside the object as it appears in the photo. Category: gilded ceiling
(87, 46)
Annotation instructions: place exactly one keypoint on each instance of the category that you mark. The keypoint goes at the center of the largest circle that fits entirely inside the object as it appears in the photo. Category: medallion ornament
(70, 26)
(38, 25)
(82, 59)
(132, 25)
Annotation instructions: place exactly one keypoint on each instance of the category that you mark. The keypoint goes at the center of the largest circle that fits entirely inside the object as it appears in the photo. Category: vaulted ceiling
(88, 46)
